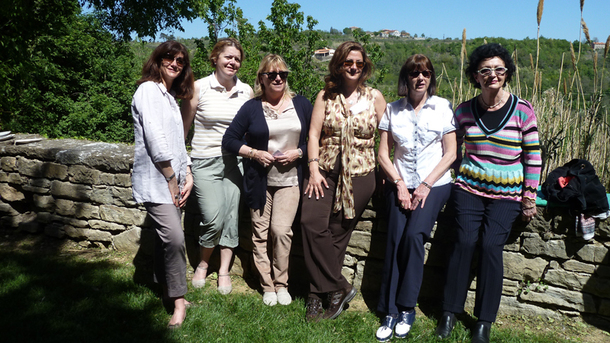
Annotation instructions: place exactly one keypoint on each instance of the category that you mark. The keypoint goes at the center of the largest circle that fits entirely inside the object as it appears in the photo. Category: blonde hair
(268, 63)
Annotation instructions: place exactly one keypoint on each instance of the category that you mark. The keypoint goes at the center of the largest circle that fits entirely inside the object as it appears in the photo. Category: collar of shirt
(430, 103)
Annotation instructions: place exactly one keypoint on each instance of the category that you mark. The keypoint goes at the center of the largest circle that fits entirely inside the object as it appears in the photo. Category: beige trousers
(272, 225)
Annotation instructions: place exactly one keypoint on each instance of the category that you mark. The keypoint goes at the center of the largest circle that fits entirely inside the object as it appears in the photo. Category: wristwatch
(169, 178)
(300, 152)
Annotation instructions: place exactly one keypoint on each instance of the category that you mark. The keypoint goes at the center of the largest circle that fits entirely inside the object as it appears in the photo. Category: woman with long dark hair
(161, 178)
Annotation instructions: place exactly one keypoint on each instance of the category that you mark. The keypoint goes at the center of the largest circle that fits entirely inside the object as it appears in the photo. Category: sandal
(199, 283)
(224, 289)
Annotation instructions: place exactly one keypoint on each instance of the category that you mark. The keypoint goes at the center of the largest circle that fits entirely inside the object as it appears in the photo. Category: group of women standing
(321, 158)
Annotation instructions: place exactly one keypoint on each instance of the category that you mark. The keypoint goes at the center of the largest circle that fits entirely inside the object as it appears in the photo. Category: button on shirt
(159, 136)
(418, 138)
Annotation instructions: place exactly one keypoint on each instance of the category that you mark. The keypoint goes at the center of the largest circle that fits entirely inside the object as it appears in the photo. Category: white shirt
(417, 138)
(159, 136)
(215, 112)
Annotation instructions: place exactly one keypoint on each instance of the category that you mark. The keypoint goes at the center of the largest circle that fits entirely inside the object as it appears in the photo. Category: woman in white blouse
(217, 174)
(275, 124)
(161, 176)
(421, 128)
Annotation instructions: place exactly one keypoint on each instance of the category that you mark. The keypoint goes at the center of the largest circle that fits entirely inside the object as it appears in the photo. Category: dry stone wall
(82, 190)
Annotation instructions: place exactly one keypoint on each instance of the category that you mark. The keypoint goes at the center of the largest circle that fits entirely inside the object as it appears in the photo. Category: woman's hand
(419, 196)
(316, 180)
(186, 190)
(263, 157)
(287, 157)
(404, 197)
(528, 209)
(174, 190)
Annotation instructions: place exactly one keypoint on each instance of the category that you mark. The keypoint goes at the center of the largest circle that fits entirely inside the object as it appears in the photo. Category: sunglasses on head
(349, 63)
(272, 75)
(487, 71)
(425, 73)
(169, 59)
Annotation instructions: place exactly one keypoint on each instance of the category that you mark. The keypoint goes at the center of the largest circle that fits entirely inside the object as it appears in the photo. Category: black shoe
(445, 326)
(480, 333)
(314, 310)
(337, 300)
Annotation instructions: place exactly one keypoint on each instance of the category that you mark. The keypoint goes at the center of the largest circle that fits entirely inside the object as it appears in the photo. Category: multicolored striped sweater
(503, 163)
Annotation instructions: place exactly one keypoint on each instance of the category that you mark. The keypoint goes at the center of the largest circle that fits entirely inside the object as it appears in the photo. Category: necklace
(494, 105)
(277, 107)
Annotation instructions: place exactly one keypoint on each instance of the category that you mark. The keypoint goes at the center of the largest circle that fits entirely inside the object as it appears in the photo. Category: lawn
(56, 291)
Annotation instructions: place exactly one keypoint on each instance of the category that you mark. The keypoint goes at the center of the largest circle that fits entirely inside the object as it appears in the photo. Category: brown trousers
(274, 220)
(327, 234)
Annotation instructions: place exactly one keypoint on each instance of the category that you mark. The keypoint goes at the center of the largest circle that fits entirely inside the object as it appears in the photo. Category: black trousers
(408, 231)
(487, 222)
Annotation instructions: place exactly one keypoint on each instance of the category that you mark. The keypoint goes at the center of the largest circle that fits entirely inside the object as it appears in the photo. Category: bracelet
(426, 184)
(313, 160)
(169, 178)
(396, 181)
(188, 173)
(251, 153)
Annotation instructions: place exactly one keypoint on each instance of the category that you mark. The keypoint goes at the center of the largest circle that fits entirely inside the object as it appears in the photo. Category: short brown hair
(221, 45)
(416, 62)
(334, 79)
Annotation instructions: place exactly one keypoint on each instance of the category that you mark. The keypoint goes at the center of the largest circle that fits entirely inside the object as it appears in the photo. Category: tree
(143, 17)
(334, 31)
(219, 15)
(347, 31)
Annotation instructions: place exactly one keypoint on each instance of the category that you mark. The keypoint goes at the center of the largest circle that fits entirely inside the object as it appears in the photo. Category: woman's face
(353, 65)
(228, 62)
(274, 81)
(171, 67)
(494, 80)
(419, 80)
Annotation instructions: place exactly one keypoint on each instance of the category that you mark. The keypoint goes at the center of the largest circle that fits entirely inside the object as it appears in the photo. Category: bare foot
(179, 313)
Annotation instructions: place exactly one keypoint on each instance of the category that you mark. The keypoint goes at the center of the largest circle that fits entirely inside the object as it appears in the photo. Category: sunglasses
(169, 59)
(273, 74)
(487, 71)
(349, 63)
(425, 73)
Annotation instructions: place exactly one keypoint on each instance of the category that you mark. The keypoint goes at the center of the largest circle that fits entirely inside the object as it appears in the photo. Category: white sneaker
(270, 298)
(283, 297)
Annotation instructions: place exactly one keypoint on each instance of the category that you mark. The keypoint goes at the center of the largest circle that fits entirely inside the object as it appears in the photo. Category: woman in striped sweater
(496, 182)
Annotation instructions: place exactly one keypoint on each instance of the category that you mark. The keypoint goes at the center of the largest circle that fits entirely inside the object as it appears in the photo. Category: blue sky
(514, 19)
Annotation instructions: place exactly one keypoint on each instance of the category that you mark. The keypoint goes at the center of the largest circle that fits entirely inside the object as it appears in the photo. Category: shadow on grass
(46, 296)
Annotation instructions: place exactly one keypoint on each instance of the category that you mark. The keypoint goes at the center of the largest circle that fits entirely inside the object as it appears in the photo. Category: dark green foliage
(77, 83)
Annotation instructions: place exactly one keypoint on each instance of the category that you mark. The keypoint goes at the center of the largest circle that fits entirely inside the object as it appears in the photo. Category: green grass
(51, 296)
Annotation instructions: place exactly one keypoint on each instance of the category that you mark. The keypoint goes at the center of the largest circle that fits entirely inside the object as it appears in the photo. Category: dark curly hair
(334, 79)
(416, 62)
(184, 84)
(487, 51)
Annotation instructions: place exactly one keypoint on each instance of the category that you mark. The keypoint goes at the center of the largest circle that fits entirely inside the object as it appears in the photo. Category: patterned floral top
(351, 135)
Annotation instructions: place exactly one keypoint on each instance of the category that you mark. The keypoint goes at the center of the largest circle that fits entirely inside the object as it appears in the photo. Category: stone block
(578, 267)
(357, 282)
(88, 234)
(349, 261)
(14, 179)
(511, 306)
(10, 194)
(7, 209)
(106, 226)
(121, 215)
(122, 180)
(106, 179)
(102, 195)
(65, 207)
(594, 252)
(122, 196)
(40, 186)
(510, 287)
(31, 168)
(128, 240)
(364, 225)
(534, 245)
(368, 214)
(71, 191)
(518, 267)
(85, 210)
(8, 163)
(82, 174)
(46, 217)
(359, 244)
(43, 202)
(562, 298)
(566, 279)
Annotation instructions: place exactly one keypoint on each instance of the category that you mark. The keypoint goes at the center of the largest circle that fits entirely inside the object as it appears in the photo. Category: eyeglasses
(487, 71)
(349, 63)
(425, 73)
(169, 59)
(272, 75)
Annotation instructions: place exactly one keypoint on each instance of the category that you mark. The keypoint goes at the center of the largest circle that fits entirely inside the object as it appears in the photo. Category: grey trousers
(170, 254)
